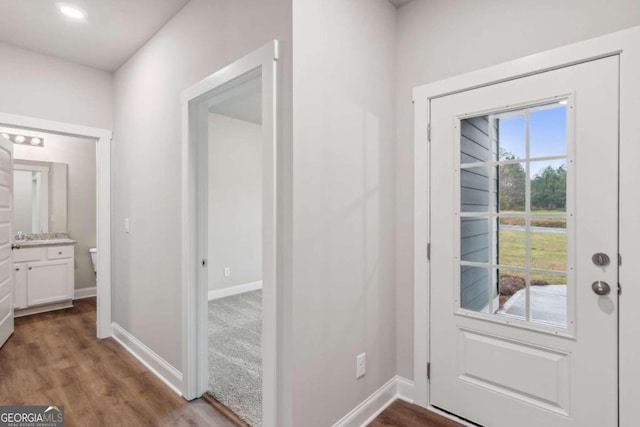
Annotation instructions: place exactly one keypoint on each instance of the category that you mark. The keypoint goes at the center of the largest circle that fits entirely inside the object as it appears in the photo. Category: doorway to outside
(102, 138)
(523, 267)
(229, 148)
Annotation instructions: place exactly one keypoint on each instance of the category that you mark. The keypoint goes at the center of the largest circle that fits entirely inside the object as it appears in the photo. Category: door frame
(194, 316)
(103, 139)
(624, 44)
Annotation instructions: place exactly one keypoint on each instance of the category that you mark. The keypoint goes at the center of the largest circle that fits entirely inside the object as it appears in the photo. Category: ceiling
(243, 102)
(113, 31)
(398, 3)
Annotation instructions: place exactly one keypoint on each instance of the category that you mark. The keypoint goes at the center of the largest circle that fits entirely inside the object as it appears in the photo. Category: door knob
(600, 287)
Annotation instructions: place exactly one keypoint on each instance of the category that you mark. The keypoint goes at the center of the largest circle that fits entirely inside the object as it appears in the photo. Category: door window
(513, 169)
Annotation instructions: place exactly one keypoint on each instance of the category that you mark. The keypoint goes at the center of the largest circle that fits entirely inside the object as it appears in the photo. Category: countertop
(39, 243)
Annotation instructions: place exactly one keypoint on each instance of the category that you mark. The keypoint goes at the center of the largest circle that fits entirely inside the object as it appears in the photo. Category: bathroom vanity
(43, 272)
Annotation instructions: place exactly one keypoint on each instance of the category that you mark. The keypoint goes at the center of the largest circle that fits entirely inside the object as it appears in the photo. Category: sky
(548, 134)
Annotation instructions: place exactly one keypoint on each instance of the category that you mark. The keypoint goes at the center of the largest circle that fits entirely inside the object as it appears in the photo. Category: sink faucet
(19, 235)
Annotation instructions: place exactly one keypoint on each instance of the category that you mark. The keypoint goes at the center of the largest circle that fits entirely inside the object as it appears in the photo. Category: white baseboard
(156, 364)
(84, 292)
(396, 388)
(234, 290)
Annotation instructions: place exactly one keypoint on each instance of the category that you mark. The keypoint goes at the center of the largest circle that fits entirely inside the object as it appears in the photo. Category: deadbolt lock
(601, 259)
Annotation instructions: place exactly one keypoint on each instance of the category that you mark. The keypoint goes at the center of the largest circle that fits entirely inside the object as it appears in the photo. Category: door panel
(6, 216)
(524, 192)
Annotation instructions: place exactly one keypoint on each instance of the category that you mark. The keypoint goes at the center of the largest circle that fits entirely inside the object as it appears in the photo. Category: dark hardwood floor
(403, 414)
(54, 359)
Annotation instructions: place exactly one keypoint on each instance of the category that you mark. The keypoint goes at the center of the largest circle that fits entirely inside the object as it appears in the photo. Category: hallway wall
(37, 85)
(343, 195)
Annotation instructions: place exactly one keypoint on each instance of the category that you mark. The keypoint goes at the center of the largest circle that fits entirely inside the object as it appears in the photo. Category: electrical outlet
(227, 272)
(127, 227)
(361, 365)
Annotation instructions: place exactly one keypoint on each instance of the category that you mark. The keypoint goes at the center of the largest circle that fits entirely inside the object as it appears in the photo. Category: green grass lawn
(548, 252)
(555, 221)
(536, 211)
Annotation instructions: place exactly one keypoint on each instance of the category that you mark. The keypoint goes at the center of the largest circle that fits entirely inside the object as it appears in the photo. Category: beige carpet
(235, 354)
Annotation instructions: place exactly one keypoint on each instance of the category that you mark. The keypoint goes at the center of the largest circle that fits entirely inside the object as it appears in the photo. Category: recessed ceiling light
(72, 11)
(36, 141)
(19, 139)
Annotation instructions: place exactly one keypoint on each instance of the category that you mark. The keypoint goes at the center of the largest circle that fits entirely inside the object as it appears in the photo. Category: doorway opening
(232, 215)
(61, 235)
(230, 237)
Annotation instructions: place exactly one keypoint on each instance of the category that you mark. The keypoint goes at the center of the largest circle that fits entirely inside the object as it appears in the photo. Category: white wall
(58, 205)
(41, 86)
(203, 37)
(343, 195)
(442, 38)
(80, 156)
(235, 201)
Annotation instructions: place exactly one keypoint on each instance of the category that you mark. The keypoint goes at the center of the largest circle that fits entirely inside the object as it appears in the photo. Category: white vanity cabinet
(43, 275)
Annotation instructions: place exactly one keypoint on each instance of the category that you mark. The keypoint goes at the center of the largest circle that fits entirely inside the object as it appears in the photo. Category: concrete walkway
(548, 304)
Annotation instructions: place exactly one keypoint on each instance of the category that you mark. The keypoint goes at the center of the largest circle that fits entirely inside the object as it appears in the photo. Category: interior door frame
(103, 139)
(194, 290)
(624, 44)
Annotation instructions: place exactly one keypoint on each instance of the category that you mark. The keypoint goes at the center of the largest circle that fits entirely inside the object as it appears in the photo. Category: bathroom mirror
(39, 197)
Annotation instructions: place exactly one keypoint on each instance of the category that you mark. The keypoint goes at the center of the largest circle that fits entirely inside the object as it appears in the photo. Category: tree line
(548, 187)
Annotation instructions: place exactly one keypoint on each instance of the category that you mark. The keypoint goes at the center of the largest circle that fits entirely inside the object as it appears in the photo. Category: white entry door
(6, 230)
(524, 250)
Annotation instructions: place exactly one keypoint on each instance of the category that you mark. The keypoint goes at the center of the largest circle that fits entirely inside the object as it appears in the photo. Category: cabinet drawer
(27, 254)
(58, 252)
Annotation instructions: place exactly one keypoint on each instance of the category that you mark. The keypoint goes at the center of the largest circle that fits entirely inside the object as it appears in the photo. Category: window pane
(474, 191)
(512, 294)
(548, 296)
(548, 131)
(549, 186)
(474, 239)
(474, 140)
(474, 288)
(512, 242)
(549, 244)
(511, 137)
(511, 187)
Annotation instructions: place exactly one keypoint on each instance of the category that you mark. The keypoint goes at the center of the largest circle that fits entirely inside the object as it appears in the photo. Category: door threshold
(453, 417)
(228, 413)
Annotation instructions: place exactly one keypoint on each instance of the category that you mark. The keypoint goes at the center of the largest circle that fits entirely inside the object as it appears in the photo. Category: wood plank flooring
(403, 414)
(54, 359)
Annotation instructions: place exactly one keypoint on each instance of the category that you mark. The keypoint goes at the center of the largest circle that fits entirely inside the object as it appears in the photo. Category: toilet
(94, 259)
